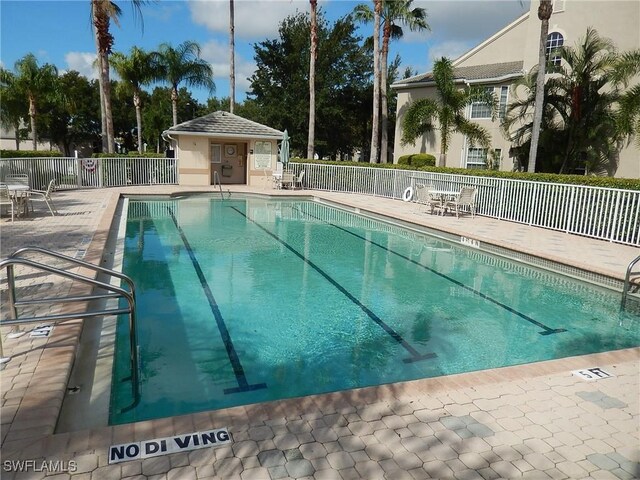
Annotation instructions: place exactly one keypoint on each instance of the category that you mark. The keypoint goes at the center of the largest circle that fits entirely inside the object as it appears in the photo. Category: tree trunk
(104, 42)
(373, 157)
(32, 118)
(106, 87)
(384, 109)
(103, 117)
(232, 66)
(174, 104)
(137, 102)
(544, 13)
(16, 127)
(312, 81)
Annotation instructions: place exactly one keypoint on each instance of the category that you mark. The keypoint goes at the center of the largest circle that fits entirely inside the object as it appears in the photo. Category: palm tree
(448, 109)
(36, 83)
(626, 67)
(545, 9)
(102, 12)
(13, 107)
(312, 79)
(183, 64)
(585, 114)
(232, 62)
(377, 13)
(394, 13)
(136, 70)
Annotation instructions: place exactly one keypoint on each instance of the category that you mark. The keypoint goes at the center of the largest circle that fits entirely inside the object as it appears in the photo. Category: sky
(59, 31)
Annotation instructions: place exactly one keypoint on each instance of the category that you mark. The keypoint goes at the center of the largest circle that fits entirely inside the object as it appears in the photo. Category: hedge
(588, 180)
(418, 160)
(133, 154)
(28, 153)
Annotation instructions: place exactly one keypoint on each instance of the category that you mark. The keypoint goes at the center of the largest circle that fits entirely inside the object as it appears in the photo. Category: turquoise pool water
(249, 300)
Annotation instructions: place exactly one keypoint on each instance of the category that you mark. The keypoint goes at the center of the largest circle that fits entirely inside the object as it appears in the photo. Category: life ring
(407, 195)
(89, 164)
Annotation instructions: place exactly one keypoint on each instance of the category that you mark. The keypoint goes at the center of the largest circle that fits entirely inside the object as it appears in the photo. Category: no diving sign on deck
(163, 446)
(591, 374)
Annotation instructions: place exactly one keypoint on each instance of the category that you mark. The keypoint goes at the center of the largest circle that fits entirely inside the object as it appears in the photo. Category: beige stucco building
(506, 56)
(240, 151)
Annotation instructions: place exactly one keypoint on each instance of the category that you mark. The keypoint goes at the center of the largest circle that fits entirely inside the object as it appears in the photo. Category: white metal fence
(72, 172)
(604, 213)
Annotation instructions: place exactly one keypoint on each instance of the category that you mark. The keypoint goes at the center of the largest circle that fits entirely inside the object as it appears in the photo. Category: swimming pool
(252, 299)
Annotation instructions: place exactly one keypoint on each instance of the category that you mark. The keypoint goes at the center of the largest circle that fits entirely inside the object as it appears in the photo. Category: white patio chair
(297, 181)
(8, 200)
(466, 198)
(44, 196)
(425, 197)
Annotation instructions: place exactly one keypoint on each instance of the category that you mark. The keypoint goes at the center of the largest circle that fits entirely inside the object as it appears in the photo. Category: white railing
(70, 172)
(603, 213)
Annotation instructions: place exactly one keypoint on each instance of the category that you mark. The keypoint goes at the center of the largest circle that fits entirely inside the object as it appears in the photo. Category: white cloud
(83, 63)
(466, 20)
(253, 19)
(452, 50)
(217, 54)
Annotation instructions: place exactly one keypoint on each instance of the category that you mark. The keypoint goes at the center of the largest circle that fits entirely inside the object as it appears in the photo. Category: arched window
(555, 40)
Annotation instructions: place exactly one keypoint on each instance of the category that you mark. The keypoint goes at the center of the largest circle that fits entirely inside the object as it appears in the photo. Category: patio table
(443, 196)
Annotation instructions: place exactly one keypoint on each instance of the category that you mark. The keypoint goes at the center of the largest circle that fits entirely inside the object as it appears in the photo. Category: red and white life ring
(407, 195)
(90, 164)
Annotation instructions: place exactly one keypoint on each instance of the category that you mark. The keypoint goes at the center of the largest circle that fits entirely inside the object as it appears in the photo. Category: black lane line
(415, 355)
(547, 330)
(243, 385)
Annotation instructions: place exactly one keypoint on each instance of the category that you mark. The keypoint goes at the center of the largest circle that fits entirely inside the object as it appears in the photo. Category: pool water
(248, 300)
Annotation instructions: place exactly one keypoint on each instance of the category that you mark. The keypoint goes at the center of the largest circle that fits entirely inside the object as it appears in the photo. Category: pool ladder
(113, 292)
(216, 181)
(627, 282)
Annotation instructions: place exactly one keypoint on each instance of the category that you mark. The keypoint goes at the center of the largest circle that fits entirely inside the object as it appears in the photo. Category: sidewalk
(534, 421)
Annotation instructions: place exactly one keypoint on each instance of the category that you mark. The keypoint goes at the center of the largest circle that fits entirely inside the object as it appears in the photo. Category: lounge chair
(466, 198)
(7, 199)
(44, 196)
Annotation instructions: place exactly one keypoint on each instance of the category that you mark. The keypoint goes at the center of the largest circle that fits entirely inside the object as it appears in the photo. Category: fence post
(78, 171)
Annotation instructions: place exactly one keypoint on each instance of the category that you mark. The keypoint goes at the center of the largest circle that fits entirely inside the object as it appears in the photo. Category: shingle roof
(225, 123)
(476, 72)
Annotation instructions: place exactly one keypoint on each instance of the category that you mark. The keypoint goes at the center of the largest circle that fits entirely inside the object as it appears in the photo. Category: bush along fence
(70, 172)
(605, 213)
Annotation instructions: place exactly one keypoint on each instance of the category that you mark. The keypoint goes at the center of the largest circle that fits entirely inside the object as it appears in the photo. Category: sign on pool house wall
(164, 446)
(262, 155)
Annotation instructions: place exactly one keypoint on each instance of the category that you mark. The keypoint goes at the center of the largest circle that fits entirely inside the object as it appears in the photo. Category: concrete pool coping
(33, 387)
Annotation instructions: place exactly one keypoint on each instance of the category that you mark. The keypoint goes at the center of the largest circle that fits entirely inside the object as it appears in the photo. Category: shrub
(418, 160)
(132, 154)
(28, 153)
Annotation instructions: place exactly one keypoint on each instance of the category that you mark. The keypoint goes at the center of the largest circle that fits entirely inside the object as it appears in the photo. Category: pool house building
(224, 146)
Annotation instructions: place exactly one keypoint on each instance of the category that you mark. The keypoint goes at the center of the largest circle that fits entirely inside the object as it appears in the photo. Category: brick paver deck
(534, 421)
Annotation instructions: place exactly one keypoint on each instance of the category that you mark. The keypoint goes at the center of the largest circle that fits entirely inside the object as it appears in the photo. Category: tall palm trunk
(545, 9)
(174, 104)
(104, 41)
(32, 118)
(137, 102)
(312, 81)
(384, 109)
(232, 63)
(103, 117)
(375, 122)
